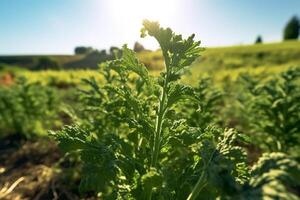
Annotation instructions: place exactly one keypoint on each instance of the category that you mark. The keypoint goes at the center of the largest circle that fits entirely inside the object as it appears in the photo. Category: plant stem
(159, 123)
(198, 187)
(201, 183)
(158, 126)
(161, 114)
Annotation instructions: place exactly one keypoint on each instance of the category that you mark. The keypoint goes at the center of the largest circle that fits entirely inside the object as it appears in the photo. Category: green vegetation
(258, 40)
(83, 50)
(221, 58)
(138, 47)
(152, 124)
(292, 29)
(84, 58)
(28, 62)
(267, 55)
(276, 103)
(131, 143)
(228, 61)
(27, 109)
(45, 63)
(140, 137)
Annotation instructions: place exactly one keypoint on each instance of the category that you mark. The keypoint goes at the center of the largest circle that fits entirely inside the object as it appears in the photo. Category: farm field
(149, 100)
(232, 87)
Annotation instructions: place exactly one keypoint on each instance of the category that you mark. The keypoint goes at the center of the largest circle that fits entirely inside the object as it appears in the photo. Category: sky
(30, 27)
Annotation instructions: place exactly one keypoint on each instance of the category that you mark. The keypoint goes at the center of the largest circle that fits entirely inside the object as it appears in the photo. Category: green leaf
(152, 179)
(178, 53)
(179, 91)
(273, 177)
(71, 138)
(130, 61)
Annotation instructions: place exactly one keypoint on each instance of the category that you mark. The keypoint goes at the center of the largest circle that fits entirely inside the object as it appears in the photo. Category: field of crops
(183, 122)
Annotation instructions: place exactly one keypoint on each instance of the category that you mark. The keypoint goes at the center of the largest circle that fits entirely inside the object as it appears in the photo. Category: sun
(140, 9)
(130, 13)
(126, 16)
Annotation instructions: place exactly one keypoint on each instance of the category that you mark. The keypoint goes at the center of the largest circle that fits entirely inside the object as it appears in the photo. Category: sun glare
(140, 9)
(127, 15)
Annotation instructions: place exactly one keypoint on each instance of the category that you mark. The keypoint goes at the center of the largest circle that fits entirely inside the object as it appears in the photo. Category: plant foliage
(292, 29)
(275, 176)
(272, 108)
(27, 109)
(134, 143)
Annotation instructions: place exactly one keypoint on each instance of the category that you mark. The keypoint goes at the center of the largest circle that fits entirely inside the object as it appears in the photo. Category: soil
(7, 79)
(29, 170)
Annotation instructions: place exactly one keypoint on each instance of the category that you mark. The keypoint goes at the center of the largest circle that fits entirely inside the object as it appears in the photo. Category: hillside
(31, 60)
(237, 57)
(251, 56)
(234, 57)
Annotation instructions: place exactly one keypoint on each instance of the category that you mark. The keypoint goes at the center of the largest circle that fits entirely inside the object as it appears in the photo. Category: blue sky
(57, 26)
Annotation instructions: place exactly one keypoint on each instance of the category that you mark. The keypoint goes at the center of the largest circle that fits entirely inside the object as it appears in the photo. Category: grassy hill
(233, 57)
(228, 62)
(212, 59)
(251, 55)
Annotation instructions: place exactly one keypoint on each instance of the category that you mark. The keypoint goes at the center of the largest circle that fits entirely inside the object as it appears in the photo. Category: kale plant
(275, 176)
(27, 109)
(272, 109)
(133, 142)
(206, 110)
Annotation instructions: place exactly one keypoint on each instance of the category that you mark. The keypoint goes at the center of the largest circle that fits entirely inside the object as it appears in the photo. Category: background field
(218, 63)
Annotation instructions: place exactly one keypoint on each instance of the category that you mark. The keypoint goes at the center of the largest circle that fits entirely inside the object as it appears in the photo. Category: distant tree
(83, 50)
(115, 51)
(258, 40)
(103, 52)
(138, 47)
(291, 30)
(46, 63)
(96, 53)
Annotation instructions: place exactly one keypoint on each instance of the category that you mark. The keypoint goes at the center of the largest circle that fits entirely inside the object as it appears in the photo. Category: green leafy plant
(272, 109)
(131, 145)
(27, 109)
(274, 176)
(134, 143)
(205, 111)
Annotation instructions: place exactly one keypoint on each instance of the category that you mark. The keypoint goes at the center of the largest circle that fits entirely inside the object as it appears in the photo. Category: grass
(270, 54)
(228, 62)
